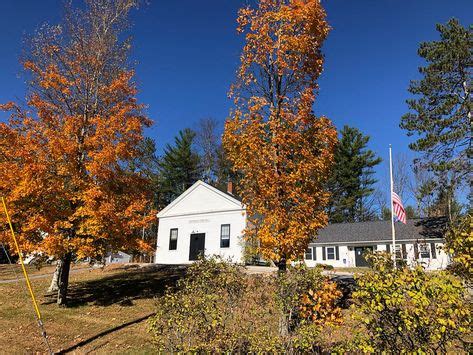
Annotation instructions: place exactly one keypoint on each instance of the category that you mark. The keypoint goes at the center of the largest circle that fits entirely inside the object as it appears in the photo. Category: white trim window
(330, 253)
(173, 239)
(424, 251)
(225, 236)
(399, 254)
(309, 254)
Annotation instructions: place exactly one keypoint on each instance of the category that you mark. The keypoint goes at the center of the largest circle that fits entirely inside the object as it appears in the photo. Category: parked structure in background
(206, 221)
(117, 258)
(344, 244)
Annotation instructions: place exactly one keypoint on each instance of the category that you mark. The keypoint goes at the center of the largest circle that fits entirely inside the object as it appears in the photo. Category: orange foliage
(320, 307)
(64, 160)
(281, 149)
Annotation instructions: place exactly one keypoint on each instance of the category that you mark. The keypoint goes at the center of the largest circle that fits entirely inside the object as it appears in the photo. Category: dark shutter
(404, 251)
(433, 251)
(314, 255)
(416, 251)
(337, 255)
(388, 248)
(323, 253)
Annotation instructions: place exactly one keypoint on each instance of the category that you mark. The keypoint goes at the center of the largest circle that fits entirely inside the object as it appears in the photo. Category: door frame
(199, 251)
(363, 250)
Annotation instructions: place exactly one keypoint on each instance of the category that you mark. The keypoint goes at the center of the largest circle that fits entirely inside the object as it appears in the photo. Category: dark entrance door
(197, 246)
(359, 256)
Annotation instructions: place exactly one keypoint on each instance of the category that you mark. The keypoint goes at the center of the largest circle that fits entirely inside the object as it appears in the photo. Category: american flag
(398, 208)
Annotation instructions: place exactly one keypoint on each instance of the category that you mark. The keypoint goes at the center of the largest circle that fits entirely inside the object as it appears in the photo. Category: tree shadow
(124, 287)
(432, 227)
(102, 334)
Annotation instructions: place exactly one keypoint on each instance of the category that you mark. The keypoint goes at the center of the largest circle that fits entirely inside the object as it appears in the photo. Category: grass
(105, 315)
(8, 272)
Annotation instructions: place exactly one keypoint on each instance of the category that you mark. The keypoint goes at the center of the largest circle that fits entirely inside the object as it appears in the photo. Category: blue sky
(187, 52)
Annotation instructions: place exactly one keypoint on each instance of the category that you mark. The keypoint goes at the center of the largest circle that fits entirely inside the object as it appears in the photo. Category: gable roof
(225, 201)
(380, 231)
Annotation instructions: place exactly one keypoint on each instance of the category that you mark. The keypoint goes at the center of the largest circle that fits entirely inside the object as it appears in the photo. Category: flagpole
(393, 231)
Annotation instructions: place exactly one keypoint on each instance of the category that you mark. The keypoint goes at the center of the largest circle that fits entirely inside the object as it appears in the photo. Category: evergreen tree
(385, 213)
(179, 166)
(410, 213)
(441, 113)
(352, 178)
(445, 204)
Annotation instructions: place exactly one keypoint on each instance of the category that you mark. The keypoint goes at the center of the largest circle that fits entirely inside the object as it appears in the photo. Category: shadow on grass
(124, 287)
(104, 333)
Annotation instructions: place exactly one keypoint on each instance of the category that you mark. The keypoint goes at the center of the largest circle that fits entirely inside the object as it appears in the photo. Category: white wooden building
(207, 221)
(203, 220)
(344, 244)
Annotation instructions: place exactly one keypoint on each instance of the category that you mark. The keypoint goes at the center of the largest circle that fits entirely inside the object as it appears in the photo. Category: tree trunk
(282, 266)
(54, 282)
(63, 279)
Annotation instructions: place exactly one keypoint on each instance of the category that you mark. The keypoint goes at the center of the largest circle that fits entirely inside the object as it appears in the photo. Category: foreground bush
(460, 246)
(217, 307)
(410, 310)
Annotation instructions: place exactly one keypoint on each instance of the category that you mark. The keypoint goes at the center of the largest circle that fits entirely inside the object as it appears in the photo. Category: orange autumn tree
(65, 158)
(281, 149)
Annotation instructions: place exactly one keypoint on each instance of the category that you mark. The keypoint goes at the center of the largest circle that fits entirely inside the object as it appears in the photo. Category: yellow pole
(35, 304)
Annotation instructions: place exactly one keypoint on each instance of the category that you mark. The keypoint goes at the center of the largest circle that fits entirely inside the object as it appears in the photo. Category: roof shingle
(380, 231)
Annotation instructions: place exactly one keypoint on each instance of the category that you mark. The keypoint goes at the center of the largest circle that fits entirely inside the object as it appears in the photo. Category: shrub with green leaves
(410, 310)
(294, 286)
(460, 246)
(219, 308)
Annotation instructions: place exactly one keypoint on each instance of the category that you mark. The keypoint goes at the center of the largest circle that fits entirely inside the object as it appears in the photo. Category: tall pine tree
(441, 111)
(179, 166)
(352, 178)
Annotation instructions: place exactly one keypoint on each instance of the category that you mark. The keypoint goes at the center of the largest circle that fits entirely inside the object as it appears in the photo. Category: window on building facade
(173, 239)
(225, 236)
(330, 253)
(308, 254)
(404, 251)
(398, 252)
(424, 251)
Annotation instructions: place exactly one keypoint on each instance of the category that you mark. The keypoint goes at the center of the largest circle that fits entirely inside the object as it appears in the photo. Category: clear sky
(187, 52)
